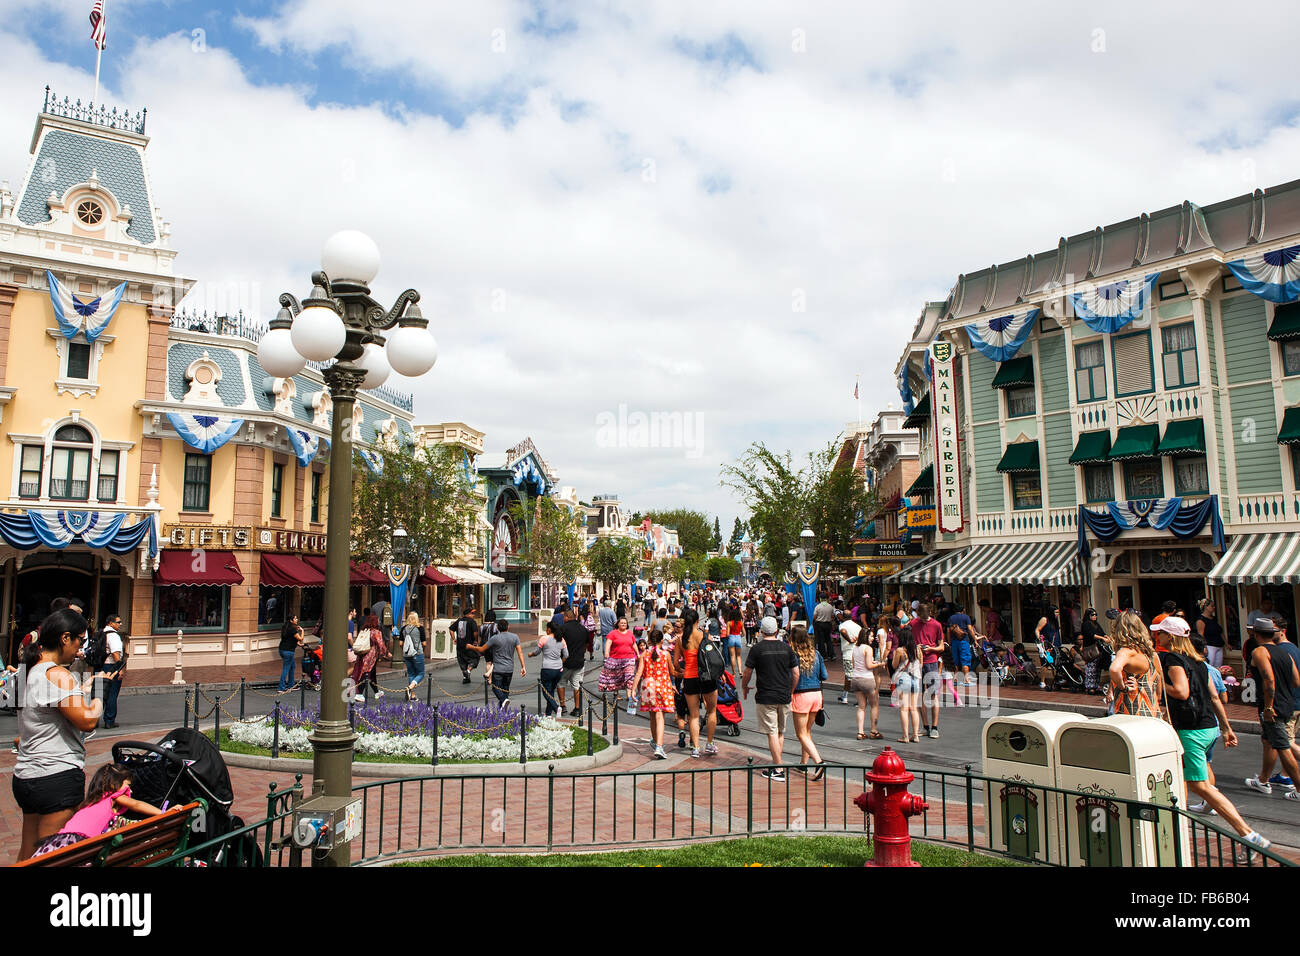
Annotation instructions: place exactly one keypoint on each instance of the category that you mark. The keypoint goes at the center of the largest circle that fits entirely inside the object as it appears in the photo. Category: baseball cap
(1172, 625)
(915, 605)
(769, 626)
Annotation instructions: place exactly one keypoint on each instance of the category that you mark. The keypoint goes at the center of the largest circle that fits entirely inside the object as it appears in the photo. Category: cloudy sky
(718, 212)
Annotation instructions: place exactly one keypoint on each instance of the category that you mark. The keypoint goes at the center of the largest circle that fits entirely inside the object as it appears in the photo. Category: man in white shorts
(850, 630)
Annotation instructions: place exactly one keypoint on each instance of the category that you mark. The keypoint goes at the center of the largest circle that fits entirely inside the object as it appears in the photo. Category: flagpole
(858, 395)
(99, 51)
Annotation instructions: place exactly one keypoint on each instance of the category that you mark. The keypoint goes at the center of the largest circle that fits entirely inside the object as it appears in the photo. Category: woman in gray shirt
(49, 780)
(554, 651)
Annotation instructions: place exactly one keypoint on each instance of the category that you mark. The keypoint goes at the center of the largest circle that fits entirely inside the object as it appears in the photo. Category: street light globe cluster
(317, 331)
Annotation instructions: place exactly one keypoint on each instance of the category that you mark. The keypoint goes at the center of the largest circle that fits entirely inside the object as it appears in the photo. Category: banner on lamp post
(947, 447)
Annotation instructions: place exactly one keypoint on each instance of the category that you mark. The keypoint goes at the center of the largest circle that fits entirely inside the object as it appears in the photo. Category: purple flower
(415, 719)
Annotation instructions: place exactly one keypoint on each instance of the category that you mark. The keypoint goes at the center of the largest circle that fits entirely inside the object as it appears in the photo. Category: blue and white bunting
(76, 315)
(1001, 336)
(1274, 275)
(1108, 308)
(905, 391)
(305, 445)
(28, 530)
(374, 461)
(207, 433)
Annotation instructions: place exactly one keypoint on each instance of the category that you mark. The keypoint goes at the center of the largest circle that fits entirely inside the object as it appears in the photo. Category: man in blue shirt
(961, 646)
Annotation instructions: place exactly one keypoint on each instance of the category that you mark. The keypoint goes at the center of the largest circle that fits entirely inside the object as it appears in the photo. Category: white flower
(547, 738)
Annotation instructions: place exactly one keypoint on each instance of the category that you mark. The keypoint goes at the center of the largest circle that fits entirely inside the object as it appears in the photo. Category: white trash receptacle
(1020, 750)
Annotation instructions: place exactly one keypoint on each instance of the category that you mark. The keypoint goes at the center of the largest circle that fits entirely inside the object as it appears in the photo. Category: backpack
(709, 660)
(96, 650)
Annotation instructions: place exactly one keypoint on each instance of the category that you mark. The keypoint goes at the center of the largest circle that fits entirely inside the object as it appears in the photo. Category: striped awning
(1259, 559)
(1025, 562)
(931, 570)
(464, 575)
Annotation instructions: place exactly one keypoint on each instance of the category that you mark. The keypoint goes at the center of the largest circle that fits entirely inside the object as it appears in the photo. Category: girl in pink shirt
(107, 798)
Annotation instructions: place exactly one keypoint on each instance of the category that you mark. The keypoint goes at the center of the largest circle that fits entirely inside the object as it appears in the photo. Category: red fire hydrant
(890, 803)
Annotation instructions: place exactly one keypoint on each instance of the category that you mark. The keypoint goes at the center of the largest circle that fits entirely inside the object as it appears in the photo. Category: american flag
(855, 390)
(98, 26)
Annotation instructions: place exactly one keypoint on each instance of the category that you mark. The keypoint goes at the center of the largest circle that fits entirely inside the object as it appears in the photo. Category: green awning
(1093, 449)
(1015, 373)
(1020, 458)
(920, 415)
(1183, 436)
(1136, 441)
(1289, 433)
(1286, 322)
(924, 484)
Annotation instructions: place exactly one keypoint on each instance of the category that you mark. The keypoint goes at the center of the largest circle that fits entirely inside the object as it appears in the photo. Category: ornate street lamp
(401, 546)
(339, 321)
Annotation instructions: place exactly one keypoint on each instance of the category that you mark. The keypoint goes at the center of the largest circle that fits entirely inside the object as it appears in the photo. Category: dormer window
(90, 213)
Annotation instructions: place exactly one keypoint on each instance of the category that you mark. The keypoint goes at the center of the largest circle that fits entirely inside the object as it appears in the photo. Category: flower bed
(404, 730)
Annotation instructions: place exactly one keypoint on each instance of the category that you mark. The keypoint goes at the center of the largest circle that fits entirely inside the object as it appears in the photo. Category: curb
(359, 769)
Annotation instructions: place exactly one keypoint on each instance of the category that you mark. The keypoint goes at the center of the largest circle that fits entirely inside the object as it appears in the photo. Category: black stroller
(182, 767)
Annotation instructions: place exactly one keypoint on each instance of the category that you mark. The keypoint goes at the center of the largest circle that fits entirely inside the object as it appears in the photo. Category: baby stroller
(182, 767)
(311, 666)
(1069, 669)
(1021, 667)
(730, 710)
(991, 659)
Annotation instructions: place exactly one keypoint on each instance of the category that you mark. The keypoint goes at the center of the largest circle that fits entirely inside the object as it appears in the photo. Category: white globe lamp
(375, 364)
(318, 333)
(350, 256)
(277, 356)
(412, 351)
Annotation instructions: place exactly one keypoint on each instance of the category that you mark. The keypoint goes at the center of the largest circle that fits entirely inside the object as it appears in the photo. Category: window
(108, 466)
(89, 212)
(1291, 357)
(272, 603)
(70, 464)
(1020, 401)
(1172, 290)
(1191, 476)
(277, 489)
(1144, 479)
(1026, 491)
(1090, 371)
(1295, 465)
(315, 496)
(311, 606)
(198, 477)
(29, 479)
(199, 607)
(78, 360)
(1132, 355)
(1099, 483)
(1180, 355)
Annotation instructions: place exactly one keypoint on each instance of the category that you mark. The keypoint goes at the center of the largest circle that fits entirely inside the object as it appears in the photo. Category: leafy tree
(783, 499)
(552, 539)
(717, 535)
(737, 537)
(667, 568)
(692, 567)
(421, 490)
(723, 569)
(693, 531)
(614, 561)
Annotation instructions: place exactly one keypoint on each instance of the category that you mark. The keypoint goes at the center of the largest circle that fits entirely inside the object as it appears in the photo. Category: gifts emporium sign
(947, 460)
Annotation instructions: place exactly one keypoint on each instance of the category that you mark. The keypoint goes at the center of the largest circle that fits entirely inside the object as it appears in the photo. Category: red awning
(209, 567)
(431, 575)
(287, 571)
(358, 571)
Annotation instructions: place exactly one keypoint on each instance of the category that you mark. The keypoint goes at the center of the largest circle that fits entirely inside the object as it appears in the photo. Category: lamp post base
(332, 742)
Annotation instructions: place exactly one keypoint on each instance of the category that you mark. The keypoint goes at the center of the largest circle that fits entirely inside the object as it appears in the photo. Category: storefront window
(312, 606)
(190, 607)
(272, 605)
(1191, 476)
(1143, 479)
(1099, 483)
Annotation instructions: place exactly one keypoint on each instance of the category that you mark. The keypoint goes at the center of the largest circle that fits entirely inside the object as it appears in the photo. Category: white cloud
(570, 253)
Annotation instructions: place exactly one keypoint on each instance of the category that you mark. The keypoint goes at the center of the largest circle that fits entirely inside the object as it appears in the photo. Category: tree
(666, 569)
(421, 490)
(614, 561)
(552, 539)
(737, 537)
(783, 499)
(693, 531)
(723, 569)
(692, 567)
(717, 535)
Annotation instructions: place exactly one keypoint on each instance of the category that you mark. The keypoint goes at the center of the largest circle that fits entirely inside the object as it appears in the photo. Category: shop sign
(224, 537)
(277, 539)
(879, 568)
(919, 519)
(888, 549)
(947, 451)
(504, 596)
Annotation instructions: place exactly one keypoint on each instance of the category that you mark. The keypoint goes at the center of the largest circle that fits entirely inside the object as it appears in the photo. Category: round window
(89, 212)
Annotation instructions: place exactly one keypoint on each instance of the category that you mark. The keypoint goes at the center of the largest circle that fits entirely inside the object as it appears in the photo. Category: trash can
(1125, 757)
(441, 645)
(1020, 750)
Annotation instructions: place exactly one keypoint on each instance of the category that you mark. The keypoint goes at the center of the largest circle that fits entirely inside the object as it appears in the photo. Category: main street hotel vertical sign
(947, 460)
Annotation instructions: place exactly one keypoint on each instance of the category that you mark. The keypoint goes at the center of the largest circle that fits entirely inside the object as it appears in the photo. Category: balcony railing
(1264, 509)
(102, 116)
(1178, 403)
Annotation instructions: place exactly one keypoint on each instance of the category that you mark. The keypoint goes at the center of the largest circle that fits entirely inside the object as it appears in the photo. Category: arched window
(70, 464)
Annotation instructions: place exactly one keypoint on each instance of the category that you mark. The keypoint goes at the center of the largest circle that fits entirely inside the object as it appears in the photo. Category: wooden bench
(136, 844)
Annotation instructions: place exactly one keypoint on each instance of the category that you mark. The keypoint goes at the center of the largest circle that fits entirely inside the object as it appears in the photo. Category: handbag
(362, 643)
(1091, 652)
(820, 719)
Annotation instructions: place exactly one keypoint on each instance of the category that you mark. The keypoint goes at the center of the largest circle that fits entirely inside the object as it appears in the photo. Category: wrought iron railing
(264, 843)
(124, 120)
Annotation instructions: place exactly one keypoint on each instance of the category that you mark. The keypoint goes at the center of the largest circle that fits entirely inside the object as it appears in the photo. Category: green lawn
(599, 743)
(767, 851)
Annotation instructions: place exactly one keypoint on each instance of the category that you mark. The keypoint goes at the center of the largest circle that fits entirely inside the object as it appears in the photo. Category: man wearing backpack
(465, 630)
(109, 661)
